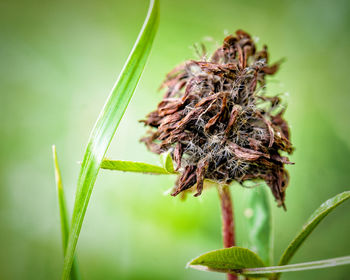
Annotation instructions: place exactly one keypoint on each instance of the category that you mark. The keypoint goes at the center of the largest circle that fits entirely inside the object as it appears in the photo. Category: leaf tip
(198, 267)
(53, 147)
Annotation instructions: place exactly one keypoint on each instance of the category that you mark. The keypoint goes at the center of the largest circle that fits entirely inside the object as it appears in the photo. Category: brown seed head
(217, 122)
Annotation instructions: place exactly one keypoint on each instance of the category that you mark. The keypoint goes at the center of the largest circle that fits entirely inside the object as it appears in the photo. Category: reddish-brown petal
(187, 179)
(234, 114)
(244, 153)
(200, 172)
(214, 119)
(178, 155)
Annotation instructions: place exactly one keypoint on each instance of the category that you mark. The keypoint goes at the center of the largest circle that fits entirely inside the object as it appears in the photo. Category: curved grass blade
(75, 274)
(131, 166)
(259, 223)
(311, 224)
(297, 267)
(106, 126)
(228, 260)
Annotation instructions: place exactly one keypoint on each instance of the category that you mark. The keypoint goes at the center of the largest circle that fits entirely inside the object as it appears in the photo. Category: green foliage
(259, 223)
(131, 166)
(75, 274)
(311, 224)
(229, 260)
(106, 126)
(241, 260)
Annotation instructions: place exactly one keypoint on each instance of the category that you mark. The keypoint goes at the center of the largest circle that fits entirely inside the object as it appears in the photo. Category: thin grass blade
(311, 224)
(297, 267)
(75, 274)
(106, 126)
(131, 166)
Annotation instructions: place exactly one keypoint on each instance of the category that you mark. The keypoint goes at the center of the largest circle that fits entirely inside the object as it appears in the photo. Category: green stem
(228, 228)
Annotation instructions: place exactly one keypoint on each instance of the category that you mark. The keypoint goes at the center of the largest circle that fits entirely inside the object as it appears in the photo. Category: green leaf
(167, 162)
(131, 166)
(311, 224)
(259, 223)
(228, 260)
(297, 267)
(106, 126)
(75, 274)
(243, 261)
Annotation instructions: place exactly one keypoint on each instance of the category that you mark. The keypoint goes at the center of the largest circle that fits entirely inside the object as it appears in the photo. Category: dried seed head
(217, 122)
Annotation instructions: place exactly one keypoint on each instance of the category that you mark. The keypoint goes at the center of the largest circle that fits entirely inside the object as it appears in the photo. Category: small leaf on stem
(167, 162)
(131, 166)
(228, 260)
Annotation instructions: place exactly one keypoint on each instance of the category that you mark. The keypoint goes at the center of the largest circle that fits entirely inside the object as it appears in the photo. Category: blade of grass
(131, 166)
(75, 274)
(311, 224)
(106, 126)
(297, 267)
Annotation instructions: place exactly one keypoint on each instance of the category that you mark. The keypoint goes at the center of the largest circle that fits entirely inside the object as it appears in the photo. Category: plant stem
(228, 228)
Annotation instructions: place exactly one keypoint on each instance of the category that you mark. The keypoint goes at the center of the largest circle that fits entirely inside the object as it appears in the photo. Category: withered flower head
(217, 122)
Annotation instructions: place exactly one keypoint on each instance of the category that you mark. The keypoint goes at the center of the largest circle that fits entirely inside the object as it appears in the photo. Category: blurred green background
(59, 59)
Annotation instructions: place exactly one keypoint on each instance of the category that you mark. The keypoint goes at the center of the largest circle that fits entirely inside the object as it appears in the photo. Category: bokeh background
(58, 61)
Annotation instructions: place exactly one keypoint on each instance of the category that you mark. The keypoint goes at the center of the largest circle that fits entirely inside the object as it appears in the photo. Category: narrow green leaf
(311, 224)
(106, 126)
(132, 166)
(228, 260)
(259, 223)
(167, 162)
(75, 274)
(298, 267)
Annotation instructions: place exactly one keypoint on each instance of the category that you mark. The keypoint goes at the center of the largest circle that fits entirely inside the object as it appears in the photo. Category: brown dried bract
(217, 122)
